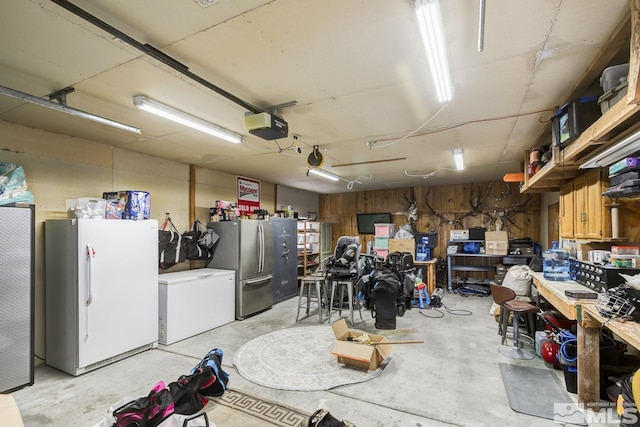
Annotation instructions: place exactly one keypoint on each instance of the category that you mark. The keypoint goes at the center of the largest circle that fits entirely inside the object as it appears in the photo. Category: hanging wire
(430, 174)
(351, 182)
(371, 144)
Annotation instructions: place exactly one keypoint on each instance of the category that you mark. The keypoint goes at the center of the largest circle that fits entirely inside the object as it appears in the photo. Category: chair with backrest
(506, 299)
(343, 271)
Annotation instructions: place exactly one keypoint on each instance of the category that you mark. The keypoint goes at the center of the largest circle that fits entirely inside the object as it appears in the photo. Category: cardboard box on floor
(352, 353)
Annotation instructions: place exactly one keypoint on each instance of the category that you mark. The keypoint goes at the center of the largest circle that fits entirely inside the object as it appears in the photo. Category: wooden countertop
(553, 292)
(628, 331)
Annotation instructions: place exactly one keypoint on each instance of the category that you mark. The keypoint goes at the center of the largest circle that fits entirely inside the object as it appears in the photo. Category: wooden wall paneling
(629, 225)
(451, 202)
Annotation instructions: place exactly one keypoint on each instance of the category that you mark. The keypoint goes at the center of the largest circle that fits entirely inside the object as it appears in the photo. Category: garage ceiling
(352, 75)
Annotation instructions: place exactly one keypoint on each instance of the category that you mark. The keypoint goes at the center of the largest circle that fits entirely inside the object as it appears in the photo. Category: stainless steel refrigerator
(101, 282)
(285, 268)
(246, 246)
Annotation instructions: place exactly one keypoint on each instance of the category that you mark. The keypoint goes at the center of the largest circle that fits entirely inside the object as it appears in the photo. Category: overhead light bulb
(170, 113)
(457, 155)
(324, 174)
(430, 23)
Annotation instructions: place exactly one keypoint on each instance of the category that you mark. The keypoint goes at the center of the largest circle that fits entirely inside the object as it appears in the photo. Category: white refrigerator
(101, 291)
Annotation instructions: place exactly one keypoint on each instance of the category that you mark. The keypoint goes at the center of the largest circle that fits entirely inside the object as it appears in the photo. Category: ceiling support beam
(154, 53)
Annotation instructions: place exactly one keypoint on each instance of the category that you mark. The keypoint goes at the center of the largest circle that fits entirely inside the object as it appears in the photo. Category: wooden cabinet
(583, 210)
(567, 214)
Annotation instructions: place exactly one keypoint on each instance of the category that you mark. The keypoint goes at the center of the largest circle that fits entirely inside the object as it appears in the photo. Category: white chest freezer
(194, 301)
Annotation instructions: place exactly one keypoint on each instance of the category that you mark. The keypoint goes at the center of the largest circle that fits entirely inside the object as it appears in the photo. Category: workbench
(553, 292)
(589, 322)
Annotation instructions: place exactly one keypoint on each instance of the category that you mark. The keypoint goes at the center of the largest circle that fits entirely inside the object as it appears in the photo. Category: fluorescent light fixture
(615, 152)
(170, 113)
(457, 155)
(68, 110)
(430, 23)
(324, 174)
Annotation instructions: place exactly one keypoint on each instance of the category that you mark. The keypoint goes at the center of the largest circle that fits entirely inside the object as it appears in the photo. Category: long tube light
(430, 23)
(324, 174)
(170, 113)
(457, 155)
(67, 110)
(481, 15)
(617, 151)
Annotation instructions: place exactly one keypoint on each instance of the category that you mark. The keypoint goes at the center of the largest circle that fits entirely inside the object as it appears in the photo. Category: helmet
(619, 302)
(549, 351)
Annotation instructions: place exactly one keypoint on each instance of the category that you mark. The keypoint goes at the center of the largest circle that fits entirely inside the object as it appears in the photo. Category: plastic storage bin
(613, 76)
(384, 230)
(381, 243)
(555, 263)
(611, 98)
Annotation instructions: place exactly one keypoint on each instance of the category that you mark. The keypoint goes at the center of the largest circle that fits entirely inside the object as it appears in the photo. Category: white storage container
(194, 301)
(613, 76)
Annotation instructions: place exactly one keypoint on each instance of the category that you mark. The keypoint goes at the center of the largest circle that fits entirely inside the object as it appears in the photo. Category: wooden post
(588, 362)
(633, 91)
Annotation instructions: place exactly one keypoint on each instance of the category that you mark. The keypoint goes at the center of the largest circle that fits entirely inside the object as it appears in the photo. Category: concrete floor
(452, 379)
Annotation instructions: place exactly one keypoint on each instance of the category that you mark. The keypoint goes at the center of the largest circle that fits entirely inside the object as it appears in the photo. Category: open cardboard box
(352, 353)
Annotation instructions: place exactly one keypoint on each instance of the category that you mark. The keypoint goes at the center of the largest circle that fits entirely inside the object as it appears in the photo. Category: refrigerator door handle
(260, 248)
(261, 279)
(91, 254)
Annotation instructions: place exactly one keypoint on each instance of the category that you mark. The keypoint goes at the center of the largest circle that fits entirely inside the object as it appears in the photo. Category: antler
(443, 219)
(505, 214)
(475, 201)
(503, 193)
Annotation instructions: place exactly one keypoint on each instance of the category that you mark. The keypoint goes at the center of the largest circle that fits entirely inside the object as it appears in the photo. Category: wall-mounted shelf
(614, 124)
(564, 164)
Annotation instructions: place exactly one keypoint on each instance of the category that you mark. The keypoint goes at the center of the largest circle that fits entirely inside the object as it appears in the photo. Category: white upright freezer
(101, 284)
(195, 301)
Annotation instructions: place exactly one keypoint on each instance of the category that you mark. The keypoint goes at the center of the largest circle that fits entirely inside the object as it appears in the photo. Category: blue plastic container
(555, 264)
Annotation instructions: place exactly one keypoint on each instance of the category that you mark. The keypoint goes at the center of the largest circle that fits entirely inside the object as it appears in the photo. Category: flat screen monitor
(366, 222)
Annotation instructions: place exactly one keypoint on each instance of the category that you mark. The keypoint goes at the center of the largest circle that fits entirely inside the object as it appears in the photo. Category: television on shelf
(367, 222)
(573, 118)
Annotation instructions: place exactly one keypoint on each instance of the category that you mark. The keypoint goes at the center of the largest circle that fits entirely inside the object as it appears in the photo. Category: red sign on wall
(248, 195)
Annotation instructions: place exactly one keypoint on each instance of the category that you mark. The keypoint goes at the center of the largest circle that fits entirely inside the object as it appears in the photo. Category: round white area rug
(297, 359)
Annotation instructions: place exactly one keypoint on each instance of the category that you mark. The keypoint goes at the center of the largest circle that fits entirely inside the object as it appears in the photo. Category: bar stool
(340, 285)
(306, 290)
(506, 299)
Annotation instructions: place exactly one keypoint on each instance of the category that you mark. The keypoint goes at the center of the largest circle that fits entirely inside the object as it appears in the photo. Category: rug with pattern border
(249, 411)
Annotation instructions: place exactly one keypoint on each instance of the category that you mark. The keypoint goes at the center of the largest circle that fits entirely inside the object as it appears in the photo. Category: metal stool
(318, 299)
(349, 284)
